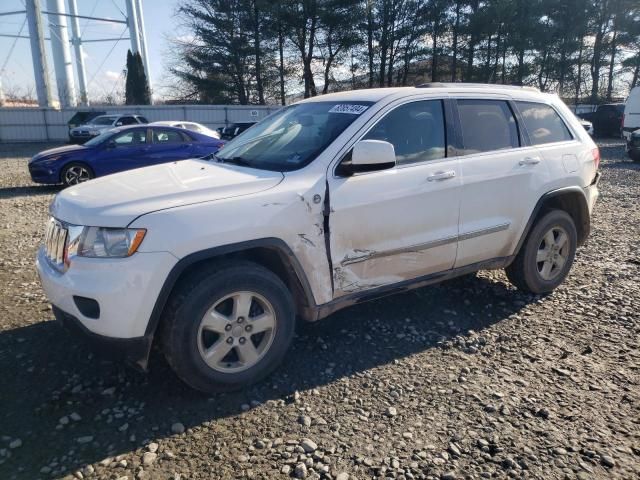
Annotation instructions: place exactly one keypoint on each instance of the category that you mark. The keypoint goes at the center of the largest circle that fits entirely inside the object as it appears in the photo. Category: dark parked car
(234, 129)
(119, 149)
(606, 120)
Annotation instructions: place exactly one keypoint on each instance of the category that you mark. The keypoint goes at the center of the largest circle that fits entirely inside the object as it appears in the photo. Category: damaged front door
(402, 223)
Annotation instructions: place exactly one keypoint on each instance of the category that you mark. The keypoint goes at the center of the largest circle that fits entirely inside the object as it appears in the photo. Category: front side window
(164, 136)
(543, 123)
(416, 130)
(103, 120)
(487, 125)
(130, 138)
(293, 136)
(127, 120)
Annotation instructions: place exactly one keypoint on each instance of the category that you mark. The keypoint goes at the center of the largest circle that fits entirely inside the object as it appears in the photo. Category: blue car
(117, 150)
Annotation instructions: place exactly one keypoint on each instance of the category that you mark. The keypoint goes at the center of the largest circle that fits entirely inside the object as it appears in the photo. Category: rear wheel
(75, 173)
(634, 155)
(229, 327)
(546, 257)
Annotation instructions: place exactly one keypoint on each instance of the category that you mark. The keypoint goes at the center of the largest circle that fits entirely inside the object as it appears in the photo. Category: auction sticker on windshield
(348, 108)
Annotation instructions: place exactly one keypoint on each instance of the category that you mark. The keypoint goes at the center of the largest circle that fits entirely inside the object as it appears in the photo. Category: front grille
(80, 133)
(55, 239)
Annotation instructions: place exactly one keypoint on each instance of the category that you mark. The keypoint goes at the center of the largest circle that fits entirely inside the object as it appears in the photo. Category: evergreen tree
(137, 87)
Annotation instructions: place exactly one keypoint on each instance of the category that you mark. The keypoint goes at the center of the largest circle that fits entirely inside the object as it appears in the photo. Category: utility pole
(38, 57)
(132, 21)
(61, 53)
(1, 93)
(79, 53)
(143, 44)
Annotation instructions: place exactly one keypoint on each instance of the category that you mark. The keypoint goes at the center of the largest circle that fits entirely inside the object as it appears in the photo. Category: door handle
(438, 176)
(529, 161)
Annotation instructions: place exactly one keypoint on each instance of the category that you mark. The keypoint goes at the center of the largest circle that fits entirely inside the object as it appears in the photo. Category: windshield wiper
(236, 161)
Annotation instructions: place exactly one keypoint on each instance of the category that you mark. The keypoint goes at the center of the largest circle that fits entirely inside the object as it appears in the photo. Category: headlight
(102, 242)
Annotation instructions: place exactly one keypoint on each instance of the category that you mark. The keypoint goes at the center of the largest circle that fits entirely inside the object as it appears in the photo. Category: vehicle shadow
(29, 191)
(47, 374)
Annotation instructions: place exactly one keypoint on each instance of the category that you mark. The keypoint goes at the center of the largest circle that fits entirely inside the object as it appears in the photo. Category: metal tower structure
(61, 47)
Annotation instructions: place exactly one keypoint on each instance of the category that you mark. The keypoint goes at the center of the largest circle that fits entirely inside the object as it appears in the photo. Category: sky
(104, 60)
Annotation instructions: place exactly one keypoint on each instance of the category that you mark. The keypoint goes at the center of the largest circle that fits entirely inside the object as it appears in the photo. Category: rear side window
(166, 136)
(487, 125)
(543, 123)
(143, 120)
(416, 131)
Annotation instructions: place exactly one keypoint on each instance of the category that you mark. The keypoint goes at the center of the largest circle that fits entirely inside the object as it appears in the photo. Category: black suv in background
(234, 129)
(81, 117)
(606, 120)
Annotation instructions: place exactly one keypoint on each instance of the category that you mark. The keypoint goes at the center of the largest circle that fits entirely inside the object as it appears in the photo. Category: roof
(377, 94)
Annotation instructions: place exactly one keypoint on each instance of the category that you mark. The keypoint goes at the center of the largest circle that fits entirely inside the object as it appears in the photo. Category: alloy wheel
(236, 332)
(76, 174)
(553, 253)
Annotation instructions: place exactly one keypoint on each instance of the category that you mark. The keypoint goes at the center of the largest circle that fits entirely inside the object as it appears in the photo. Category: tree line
(259, 51)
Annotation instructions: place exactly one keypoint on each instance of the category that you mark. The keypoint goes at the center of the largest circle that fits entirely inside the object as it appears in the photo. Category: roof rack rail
(474, 85)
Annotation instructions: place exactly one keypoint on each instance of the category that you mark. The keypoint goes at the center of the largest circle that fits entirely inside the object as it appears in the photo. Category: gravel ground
(468, 379)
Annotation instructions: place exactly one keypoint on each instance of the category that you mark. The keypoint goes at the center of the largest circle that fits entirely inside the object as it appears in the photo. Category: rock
(152, 447)
(148, 458)
(285, 470)
(75, 417)
(607, 461)
(308, 445)
(543, 413)
(454, 450)
(342, 476)
(85, 439)
(177, 428)
(304, 420)
(64, 420)
(109, 391)
(448, 476)
(300, 471)
(391, 412)
(16, 443)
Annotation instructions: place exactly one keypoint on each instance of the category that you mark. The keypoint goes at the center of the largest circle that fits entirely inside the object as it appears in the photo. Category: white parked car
(193, 126)
(326, 203)
(587, 125)
(631, 124)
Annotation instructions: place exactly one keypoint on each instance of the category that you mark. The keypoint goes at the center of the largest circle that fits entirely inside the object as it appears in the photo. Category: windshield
(102, 121)
(292, 137)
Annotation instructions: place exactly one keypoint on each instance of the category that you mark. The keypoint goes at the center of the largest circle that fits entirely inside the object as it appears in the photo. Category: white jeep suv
(326, 203)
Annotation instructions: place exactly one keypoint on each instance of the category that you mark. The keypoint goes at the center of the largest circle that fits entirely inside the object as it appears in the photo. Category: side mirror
(118, 124)
(372, 155)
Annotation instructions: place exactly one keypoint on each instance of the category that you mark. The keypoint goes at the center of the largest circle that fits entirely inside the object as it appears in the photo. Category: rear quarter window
(543, 123)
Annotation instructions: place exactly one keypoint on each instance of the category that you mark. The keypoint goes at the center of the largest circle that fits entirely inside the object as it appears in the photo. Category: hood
(117, 200)
(58, 151)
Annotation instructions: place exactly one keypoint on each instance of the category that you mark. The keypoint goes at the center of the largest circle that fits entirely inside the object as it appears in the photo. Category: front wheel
(545, 259)
(228, 327)
(75, 173)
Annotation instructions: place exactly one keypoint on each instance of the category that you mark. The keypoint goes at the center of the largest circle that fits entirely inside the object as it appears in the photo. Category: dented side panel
(292, 212)
(393, 225)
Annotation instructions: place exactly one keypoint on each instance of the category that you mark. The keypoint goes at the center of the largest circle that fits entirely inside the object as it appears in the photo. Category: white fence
(49, 124)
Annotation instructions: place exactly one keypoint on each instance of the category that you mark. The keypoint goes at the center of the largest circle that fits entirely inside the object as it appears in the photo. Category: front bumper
(125, 290)
(43, 174)
(133, 350)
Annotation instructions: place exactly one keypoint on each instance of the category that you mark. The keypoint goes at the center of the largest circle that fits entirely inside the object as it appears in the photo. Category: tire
(529, 274)
(75, 173)
(634, 155)
(218, 295)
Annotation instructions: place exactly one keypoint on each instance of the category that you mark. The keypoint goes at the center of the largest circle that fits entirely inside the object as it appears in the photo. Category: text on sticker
(348, 108)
